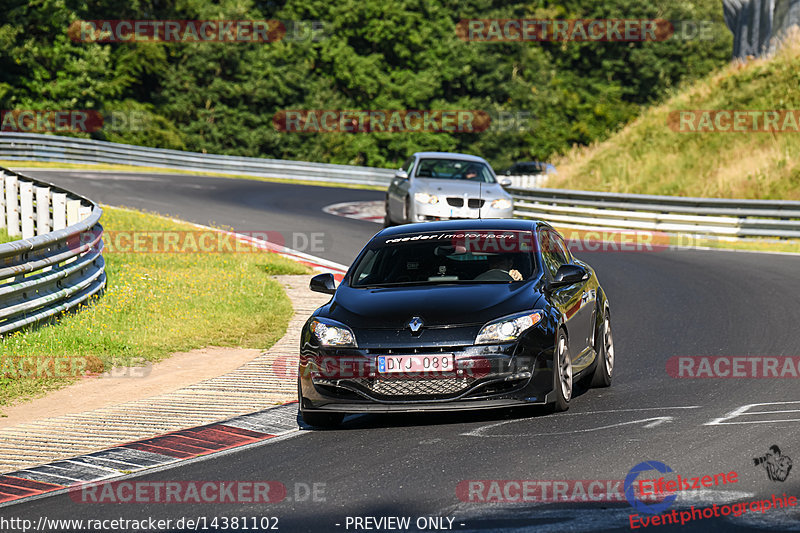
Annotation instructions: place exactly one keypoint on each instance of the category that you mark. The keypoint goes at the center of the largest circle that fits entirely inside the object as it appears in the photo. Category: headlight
(425, 198)
(501, 203)
(330, 333)
(507, 329)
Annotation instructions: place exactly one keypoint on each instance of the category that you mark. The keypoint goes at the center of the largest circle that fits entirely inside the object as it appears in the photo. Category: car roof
(513, 224)
(450, 155)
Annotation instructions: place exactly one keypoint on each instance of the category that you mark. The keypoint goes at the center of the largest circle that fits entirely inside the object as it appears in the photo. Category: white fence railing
(528, 181)
(56, 263)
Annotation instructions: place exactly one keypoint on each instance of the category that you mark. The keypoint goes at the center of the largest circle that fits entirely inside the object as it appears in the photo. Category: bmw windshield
(446, 258)
(454, 169)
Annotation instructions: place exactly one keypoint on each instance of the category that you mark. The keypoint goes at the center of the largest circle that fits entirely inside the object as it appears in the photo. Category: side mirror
(323, 283)
(569, 274)
(402, 174)
(505, 182)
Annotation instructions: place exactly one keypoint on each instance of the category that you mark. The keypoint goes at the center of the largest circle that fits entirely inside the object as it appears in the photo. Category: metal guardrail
(57, 264)
(703, 216)
(39, 147)
(669, 214)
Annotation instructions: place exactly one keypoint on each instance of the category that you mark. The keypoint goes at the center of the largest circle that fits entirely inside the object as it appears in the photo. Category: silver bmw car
(445, 186)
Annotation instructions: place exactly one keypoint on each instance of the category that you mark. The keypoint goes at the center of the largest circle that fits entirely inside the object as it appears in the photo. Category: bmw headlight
(425, 198)
(501, 203)
(330, 333)
(507, 329)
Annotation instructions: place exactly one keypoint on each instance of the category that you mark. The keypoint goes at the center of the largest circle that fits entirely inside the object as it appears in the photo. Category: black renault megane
(455, 315)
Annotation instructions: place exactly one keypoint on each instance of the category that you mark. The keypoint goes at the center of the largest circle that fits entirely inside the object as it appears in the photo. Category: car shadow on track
(441, 418)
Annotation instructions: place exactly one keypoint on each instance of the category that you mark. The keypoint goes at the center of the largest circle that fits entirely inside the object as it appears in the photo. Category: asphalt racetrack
(664, 304)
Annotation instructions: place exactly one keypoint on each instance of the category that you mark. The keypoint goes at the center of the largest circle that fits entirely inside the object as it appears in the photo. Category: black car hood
(436, 305)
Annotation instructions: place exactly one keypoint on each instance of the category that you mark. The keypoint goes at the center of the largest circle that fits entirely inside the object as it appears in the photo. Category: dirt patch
(179, 370)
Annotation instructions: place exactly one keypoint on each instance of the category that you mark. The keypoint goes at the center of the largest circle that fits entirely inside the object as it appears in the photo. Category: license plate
(395, 364)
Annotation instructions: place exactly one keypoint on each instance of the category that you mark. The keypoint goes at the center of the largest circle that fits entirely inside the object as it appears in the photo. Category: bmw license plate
(390, 364)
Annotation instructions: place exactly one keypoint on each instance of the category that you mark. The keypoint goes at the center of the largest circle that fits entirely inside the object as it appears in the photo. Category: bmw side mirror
(505, 182)
(402, 174)
(569, 274)
(323, 283)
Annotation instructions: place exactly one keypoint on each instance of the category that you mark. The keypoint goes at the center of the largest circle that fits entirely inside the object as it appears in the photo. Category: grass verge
(155, 304)
(159, 170)
(653, 156)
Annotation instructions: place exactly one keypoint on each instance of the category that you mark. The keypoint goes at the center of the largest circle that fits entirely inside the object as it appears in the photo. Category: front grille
(456, 202)
(439, 386)
(475, 203)
(400, 387)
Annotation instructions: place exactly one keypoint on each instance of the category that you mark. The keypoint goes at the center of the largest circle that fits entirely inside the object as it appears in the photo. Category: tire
(604, 367)
(562, 374)
(387, 220)
(317, 420)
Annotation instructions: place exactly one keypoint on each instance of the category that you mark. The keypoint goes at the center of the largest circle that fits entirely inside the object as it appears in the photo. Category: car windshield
(454, 169)
(446, 258)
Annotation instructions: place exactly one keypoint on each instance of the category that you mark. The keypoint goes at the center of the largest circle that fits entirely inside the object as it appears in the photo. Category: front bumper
(442, 211)
(491, 376)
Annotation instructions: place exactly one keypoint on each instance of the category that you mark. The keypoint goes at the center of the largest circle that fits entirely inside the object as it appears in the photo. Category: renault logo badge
(415, 324)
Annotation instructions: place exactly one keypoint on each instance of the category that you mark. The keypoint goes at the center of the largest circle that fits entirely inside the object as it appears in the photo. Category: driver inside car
(500, 269)
(471, 173)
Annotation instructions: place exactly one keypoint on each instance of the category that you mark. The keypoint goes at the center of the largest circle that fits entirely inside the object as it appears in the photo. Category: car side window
(564, 257)
(548, 257)
(554, 253)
